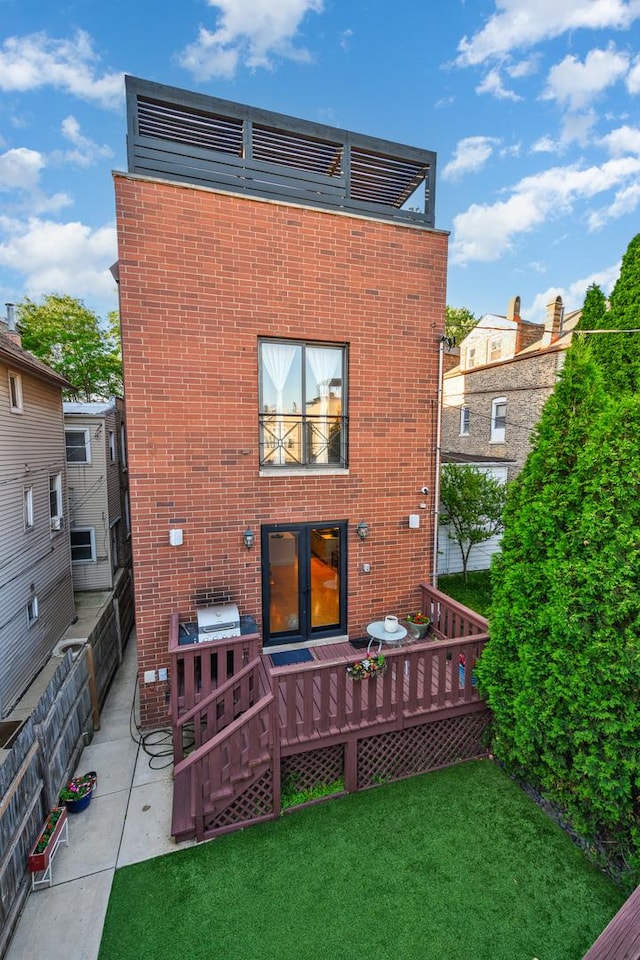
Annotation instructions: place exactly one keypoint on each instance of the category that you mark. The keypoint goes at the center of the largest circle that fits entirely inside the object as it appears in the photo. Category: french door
(304, 572)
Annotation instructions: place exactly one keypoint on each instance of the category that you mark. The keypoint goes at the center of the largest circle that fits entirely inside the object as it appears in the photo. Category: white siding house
(95, 439)
(36, 591)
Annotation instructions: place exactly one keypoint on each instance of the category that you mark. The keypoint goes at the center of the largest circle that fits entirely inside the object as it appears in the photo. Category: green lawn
(476, 594)
(454, 865)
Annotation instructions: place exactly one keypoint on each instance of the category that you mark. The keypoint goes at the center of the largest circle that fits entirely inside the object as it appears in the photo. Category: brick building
(282, 294)
(494, 395)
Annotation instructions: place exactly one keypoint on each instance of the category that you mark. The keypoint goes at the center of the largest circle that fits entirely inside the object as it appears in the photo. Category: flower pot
(418, 630)
(40, 859)
(84, 786)
(77, 806)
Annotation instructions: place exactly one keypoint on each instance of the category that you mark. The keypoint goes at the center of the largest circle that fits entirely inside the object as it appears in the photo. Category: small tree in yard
(459, 321)
(472, 504)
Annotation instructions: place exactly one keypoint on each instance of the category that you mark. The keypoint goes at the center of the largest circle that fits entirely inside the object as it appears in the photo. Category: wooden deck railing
(319, 700)
(219, 764)
(449, 618)
(198, 668)
(219, 708)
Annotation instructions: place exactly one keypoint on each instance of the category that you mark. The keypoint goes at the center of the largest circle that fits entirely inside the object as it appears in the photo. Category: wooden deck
(241, 725)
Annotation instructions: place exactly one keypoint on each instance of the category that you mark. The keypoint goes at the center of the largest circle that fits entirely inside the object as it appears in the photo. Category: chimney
(513, 314)
(553, 322)
(11, 331)
(513, 309)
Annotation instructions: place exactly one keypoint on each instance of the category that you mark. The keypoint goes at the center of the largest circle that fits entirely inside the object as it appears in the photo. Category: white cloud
(625, 201)
(622, 141)
(492, 84)
(577, 84)
(576, 128)
(470, 155)
(484, 232)
(37, 60)
(518, 24)
(633, 80)
(573, 295)
(20, 169)
(86, 152)
(249, 32)
(59, 257)
(345, 40)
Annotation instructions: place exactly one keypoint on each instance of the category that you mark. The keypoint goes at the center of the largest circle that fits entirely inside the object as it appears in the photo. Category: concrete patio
(128, 820)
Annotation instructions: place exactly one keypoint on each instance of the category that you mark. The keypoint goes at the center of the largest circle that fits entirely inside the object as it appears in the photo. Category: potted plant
(47, 842)
(77, 793)
(368, 668)
(419, 624)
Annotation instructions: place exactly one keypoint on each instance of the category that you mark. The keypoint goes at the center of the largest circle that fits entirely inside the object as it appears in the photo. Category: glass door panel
(284, 573)
(325, 577)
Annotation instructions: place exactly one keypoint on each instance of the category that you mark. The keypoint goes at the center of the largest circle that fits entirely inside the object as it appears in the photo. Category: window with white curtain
(302, 404)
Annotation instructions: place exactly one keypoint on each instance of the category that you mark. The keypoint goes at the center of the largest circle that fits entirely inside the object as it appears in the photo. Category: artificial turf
(454, 865)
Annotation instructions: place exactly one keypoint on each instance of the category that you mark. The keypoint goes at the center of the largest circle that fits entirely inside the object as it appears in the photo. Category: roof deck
(196, 139)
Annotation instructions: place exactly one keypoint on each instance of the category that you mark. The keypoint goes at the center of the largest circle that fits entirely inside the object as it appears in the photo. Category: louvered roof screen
(190, 137)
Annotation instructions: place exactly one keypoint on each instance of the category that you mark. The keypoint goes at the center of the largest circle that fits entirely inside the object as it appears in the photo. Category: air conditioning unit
(56, 523)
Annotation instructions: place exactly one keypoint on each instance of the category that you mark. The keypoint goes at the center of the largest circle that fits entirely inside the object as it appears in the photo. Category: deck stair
(224, 776)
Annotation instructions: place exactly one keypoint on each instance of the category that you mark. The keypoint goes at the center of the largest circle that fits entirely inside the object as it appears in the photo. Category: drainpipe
(436, 485)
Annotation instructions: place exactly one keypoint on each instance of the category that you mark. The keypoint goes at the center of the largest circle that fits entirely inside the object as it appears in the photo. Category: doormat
(291, 656)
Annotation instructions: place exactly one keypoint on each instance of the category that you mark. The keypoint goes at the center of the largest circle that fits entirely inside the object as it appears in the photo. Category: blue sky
(533, 109)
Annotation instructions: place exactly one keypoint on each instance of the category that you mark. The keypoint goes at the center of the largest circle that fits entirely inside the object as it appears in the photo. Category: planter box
(42, 862)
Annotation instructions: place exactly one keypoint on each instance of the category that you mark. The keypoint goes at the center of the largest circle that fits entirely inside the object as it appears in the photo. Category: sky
(532, 107)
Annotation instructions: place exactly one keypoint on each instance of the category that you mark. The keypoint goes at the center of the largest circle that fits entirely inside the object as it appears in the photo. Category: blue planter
(77, 806)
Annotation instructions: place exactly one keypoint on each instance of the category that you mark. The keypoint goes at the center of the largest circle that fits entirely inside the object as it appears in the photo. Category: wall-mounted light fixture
(248, 538)
(363, 530)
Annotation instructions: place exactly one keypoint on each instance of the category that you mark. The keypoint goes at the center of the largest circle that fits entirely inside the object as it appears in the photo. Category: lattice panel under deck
(314, 767)
(404, 753)
(255, 802)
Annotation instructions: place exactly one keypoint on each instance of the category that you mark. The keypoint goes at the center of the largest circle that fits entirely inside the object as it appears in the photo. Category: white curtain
(278, 358)
(325, 366)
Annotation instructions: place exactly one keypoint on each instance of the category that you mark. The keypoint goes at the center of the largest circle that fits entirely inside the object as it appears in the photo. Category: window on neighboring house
(27, 504)
(495, 349)
(32, 610)
(498, 419)
(127, 513)
(115, 539)
(83, 545)
(55, 501)
(112, 446)
(78, 446)
(302, 415)
(464, 421)
(123, 446)
(15, 392)
(471, 357)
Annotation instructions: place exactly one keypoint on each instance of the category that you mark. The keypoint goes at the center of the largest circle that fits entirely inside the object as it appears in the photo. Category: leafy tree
(617, 354)
(69, 337)
(459, 321)
(473, 503)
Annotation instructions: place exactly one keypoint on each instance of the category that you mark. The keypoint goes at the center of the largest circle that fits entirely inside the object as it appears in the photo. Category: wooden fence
(47, 748)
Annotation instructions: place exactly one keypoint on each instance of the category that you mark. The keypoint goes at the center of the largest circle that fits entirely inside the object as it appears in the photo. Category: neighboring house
(282, 295)
(36, 591)
(99, 524)
(493, 398)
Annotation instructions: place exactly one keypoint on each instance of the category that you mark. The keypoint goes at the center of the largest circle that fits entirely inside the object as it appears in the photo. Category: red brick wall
(202, 276)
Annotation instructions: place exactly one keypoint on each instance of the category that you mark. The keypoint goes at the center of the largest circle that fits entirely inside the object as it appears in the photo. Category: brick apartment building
(282, 304)
(493, 398)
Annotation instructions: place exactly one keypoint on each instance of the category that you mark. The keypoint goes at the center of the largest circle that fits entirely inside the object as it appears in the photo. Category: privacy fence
(47, 748)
